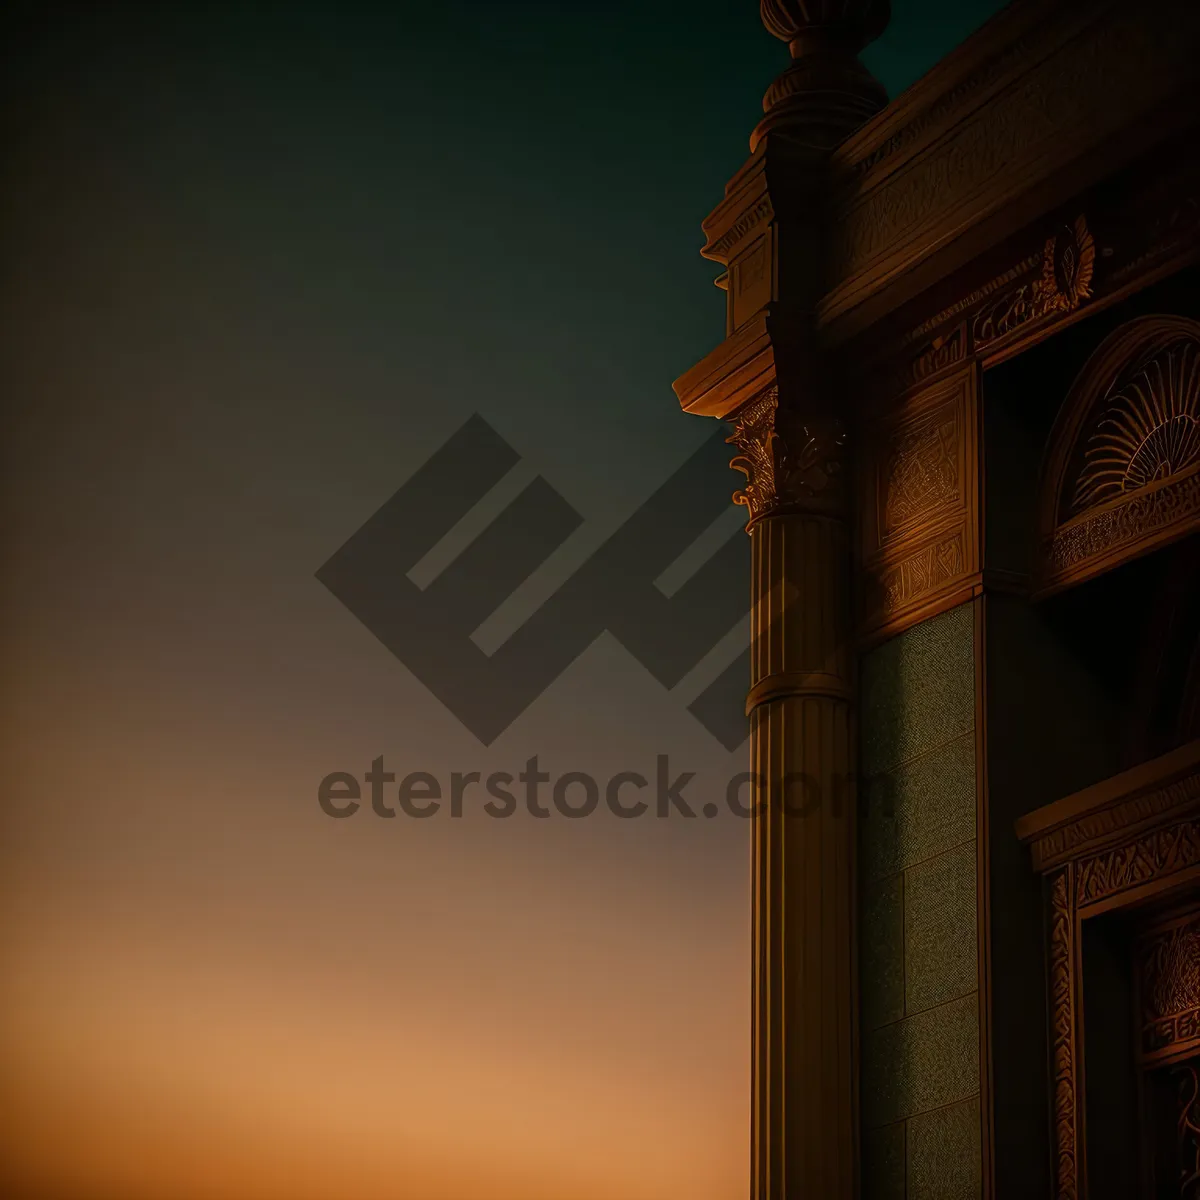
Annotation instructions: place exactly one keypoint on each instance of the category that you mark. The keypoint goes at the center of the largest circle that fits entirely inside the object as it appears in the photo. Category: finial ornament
(855, 22)
(826, 94)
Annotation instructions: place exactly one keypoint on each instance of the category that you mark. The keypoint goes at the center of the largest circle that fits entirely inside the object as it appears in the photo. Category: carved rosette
(791, 463)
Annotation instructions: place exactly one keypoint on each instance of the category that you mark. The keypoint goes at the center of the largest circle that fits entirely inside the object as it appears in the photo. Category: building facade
(962, 377)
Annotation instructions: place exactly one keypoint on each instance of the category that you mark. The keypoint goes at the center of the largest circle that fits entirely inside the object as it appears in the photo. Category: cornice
(955, 86)
(732, 374)
(1038, 105)
(1147, 796)
(746, 205)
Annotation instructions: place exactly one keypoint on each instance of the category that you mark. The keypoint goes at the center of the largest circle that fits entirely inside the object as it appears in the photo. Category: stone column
(804, 1139)
(770, 380)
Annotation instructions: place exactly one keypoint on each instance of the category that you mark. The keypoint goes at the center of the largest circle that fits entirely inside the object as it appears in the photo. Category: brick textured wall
(918, 930)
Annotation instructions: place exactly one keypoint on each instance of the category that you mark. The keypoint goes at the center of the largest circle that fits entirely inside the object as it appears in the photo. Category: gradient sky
(259, 262)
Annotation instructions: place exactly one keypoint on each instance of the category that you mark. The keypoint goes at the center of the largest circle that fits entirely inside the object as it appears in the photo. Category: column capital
(793, 463)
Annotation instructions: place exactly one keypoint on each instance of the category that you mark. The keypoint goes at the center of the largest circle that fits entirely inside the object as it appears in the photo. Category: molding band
(798, 684)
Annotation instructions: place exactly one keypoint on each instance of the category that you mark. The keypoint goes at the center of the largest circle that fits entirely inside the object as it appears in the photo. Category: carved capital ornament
(791, 464)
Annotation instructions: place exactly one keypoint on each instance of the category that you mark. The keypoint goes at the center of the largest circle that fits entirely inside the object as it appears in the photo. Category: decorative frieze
(1151, 857)
(1140, 223)
(1103, 67)
(1068, 263)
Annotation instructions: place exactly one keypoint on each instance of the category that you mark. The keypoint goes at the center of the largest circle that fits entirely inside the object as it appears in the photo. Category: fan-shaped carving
(1122, 472)
(1149, 430)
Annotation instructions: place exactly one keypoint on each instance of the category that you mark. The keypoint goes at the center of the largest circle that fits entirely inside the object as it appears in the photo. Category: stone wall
(919, 979)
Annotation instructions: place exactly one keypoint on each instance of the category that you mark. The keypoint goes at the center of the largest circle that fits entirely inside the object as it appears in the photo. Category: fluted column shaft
(776, 383)
(804, 1032)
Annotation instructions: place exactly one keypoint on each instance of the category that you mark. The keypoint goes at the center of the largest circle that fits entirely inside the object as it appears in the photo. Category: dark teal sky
(259, 262)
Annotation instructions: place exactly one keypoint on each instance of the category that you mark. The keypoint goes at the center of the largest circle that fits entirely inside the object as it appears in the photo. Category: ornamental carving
(1062, 1034)
(1159, 853)
(1172, 506)
(790, 463)
(1148, 848)
(1168, 962)
(924, 573)
(946, 107)
(1106, 823)
(1140, 223)
(938, 354)
(1148, 429)
(1068, 264)
(922, 472)
(1070, 100)
(919, 518)
(754, 435)
(1122, 472)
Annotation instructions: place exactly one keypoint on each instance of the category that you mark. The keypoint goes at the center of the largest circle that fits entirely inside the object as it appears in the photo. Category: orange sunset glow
(261, 263)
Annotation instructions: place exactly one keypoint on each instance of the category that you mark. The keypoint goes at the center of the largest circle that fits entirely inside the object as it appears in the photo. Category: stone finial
(826, 94)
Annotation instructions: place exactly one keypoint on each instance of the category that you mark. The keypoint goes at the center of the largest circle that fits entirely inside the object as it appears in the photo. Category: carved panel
(1167, 962)
(919, 506)
(1122, 473)
(921, 472)
(923, 573)
(751, 279)
(1063, 988)
(1149, 859)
